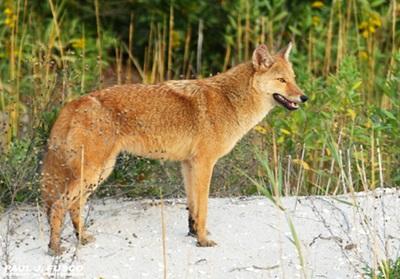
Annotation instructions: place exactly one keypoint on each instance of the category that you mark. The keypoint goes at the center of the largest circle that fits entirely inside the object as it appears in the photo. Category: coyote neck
(235, 83)
(249, 106)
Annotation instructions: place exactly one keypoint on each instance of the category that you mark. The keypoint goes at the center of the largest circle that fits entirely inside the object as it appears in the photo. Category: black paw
(192, 230)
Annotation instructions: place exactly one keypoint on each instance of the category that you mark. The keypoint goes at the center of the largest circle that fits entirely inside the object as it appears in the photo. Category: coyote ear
(262, 59)
(285, 52)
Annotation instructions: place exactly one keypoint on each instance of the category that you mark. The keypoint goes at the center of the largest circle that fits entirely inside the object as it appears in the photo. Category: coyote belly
(195, 122)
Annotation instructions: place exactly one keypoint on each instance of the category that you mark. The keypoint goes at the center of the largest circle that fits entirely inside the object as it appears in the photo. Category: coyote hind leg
(75, 212)
(56, 216)
(95, 176)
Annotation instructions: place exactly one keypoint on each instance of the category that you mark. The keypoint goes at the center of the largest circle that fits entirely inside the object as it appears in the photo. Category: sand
(337, 237)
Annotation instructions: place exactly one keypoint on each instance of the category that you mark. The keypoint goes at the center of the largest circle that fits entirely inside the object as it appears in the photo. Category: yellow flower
(317, 4)
(9, 22)
(363, 55)
(260, 129)
(78, 43)
(328, 152)
(371, 29)
(363, 25)
(8, 11)
(375, 20)
(302, 163)
(352, 114)
(316, 20)
(368, 27)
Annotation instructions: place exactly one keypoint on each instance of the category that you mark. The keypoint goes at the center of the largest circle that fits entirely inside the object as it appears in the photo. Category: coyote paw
(56, 251)
(194, 233)
(206, 243)
(87, 238)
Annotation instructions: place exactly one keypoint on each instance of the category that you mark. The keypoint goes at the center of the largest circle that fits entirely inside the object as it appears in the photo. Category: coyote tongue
(285, 102)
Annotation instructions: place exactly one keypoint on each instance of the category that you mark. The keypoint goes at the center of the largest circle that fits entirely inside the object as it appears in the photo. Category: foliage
(389, 269)
(346, 58)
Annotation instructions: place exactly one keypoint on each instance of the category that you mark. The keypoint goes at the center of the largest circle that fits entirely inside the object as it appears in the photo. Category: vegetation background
(346, 56)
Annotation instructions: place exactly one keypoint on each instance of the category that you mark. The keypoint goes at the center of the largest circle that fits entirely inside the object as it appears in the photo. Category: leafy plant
(389, 269)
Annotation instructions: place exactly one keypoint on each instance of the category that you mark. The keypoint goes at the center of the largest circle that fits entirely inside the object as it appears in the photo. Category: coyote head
(275, 77)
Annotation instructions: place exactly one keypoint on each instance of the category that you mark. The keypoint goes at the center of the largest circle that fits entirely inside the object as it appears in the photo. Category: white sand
(253, 236)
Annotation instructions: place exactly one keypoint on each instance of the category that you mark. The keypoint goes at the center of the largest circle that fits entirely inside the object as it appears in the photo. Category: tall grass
(382, 263)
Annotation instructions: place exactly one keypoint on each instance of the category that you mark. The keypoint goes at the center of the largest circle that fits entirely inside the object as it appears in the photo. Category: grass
(346, 59)
(389, 269)
(379, 262)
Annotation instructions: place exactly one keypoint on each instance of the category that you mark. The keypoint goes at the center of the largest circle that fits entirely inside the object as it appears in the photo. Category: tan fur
(192, 121)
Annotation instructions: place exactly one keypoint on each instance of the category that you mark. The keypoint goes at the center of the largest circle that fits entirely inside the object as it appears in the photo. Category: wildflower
(78, 43)
(260, 129)
(375, 21)
(363, 25)
(368, 27)
(371, 29)
(8, 11)
(351, 113)
(10, 18)
(317, 4)
(328, 152)
(302, 163)
(9, 22)
(316, 20)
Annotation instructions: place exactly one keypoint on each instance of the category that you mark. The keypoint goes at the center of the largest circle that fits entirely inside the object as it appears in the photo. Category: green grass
(346, 59)
(389, 269)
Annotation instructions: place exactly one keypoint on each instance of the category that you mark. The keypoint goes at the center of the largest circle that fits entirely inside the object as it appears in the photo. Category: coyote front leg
(197, 176)
(191, 196)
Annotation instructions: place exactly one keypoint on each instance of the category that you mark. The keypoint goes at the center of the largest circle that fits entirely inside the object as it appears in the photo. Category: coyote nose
(303, 98)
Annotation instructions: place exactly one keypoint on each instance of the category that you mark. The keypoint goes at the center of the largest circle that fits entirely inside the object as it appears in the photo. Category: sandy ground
(337, 239)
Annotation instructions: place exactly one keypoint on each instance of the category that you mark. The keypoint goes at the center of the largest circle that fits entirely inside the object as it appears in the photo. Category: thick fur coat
(192, 121)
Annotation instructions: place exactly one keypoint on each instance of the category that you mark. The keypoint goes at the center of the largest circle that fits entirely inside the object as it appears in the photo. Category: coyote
(195, 122)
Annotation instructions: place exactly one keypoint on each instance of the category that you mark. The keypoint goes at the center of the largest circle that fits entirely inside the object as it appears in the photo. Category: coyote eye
(281, 80)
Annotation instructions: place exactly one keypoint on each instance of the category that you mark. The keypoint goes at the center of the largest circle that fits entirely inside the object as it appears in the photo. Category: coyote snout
(195, 122)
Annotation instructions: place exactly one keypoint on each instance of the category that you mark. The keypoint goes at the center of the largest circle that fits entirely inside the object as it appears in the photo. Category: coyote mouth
(290, 105)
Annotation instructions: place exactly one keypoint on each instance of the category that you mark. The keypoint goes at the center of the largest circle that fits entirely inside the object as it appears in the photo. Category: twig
(163, 230)
(199, 47)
